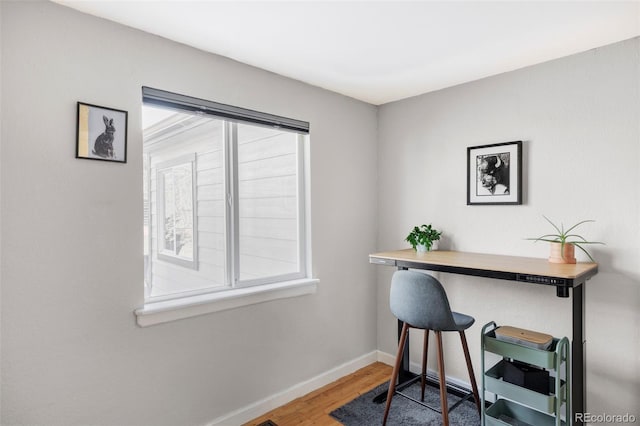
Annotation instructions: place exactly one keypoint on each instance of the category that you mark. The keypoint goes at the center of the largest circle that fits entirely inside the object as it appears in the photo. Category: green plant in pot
(564, 242)
(422, 237)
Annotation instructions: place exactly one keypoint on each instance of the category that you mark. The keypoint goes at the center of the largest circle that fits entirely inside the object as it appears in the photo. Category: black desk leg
(578, 387)
(404, 374)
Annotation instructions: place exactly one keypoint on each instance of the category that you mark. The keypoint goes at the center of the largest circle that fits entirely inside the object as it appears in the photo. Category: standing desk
(568, 279)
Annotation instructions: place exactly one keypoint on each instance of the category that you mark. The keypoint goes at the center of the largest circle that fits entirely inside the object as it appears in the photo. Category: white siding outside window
(269, 204)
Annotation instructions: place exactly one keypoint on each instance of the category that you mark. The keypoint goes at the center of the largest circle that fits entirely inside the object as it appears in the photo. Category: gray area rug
(362, 411)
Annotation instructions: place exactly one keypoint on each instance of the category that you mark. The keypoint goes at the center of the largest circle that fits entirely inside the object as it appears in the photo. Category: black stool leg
(443, 382)
(396, 370)
(472, 376)
(423, 380)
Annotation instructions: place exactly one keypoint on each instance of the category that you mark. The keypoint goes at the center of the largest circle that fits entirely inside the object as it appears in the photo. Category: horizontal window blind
(202, 106)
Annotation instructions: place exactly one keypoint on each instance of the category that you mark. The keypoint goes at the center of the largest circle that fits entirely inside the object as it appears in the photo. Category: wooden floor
(314, 408)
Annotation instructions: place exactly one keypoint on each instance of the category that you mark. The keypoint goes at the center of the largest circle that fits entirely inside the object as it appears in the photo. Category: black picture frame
(101, 133)
(494, 174)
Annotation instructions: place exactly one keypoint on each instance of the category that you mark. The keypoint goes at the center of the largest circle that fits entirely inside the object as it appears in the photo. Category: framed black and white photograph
(494, 174)
(101, 133)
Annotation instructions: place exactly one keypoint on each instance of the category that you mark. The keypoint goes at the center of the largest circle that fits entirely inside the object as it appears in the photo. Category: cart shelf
(508, 413)
(524, 406)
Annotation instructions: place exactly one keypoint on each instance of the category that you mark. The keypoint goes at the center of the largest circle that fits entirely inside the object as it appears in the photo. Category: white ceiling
(380, 51)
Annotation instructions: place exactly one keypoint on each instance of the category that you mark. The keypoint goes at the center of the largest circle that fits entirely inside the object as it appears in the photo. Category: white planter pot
(420, 248)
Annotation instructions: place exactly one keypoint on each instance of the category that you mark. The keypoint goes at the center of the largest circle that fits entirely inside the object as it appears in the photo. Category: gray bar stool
(419, 301)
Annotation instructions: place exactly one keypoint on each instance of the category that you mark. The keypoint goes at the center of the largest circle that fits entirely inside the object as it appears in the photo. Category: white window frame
(238, 293)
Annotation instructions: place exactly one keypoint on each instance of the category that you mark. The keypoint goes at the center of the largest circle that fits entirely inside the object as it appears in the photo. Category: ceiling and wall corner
(381, 51)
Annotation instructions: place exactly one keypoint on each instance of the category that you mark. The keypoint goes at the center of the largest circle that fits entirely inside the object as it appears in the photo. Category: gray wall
(72, 236)
(579, 118)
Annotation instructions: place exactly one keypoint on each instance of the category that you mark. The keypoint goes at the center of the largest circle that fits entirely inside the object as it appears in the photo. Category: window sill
(175, 309)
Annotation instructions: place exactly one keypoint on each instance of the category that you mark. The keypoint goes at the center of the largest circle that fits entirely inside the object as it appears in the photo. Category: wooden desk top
(488, 265)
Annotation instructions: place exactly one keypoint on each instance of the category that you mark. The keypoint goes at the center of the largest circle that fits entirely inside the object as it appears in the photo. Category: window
(225, 197)
(177, 233)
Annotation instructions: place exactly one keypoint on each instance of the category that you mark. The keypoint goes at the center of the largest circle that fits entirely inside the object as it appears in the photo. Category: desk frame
(520, 269)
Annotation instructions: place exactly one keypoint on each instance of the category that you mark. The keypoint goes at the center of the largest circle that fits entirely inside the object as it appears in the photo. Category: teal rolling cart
(517, 405)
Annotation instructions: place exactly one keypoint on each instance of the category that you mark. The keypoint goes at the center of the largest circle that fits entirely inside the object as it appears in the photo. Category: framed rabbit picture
(101, 133)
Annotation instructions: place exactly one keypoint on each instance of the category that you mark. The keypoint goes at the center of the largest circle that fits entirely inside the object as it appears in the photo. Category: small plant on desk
(563, 242)
(422, 237)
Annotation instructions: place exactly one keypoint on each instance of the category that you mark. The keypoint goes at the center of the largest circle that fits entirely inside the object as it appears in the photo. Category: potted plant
(563, 242)
(422, 237)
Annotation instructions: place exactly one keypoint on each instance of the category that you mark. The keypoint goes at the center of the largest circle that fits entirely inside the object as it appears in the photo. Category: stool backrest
(420, 300)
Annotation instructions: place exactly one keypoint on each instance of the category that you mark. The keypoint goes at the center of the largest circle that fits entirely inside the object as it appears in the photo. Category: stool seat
(419, 301)
(462, 321)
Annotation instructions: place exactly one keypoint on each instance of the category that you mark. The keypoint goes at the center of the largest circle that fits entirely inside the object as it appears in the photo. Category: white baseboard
(265, 405)
(416, 368)
(386, 358)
